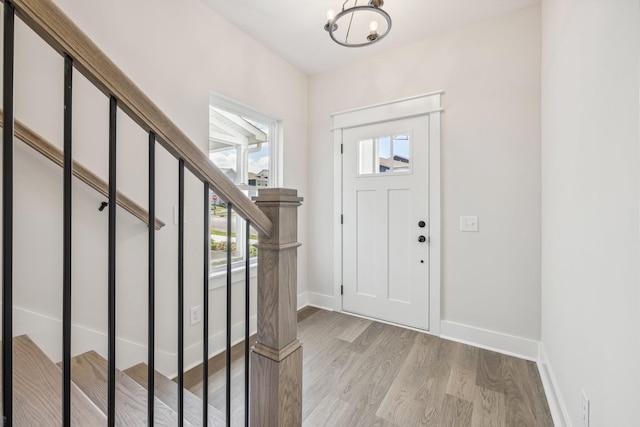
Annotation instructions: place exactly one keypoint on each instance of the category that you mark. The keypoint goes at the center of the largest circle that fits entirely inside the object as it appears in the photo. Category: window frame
(276, 139)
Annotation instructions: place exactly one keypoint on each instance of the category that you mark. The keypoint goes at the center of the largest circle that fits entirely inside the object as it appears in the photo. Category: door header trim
(387, 111)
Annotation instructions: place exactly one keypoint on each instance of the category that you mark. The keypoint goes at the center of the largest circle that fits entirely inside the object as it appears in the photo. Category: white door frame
(426, 104)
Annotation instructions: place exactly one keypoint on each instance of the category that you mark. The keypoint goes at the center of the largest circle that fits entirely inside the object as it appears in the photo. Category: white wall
(177, 52)
(490, 72)
(590, 216)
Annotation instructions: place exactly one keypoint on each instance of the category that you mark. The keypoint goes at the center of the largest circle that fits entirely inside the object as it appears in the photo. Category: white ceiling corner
(294, 28)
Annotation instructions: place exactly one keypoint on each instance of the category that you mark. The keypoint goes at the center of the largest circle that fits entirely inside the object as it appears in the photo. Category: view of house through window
(239, 144)
(384, 155)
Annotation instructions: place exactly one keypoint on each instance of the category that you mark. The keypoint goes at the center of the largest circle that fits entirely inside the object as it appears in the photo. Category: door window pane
(384, 153)
(388, 154)
(365, 157)
(401, 153)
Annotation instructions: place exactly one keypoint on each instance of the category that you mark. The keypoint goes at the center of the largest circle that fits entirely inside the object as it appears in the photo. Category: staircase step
(37, 391)
(167, 391)
(89, 372)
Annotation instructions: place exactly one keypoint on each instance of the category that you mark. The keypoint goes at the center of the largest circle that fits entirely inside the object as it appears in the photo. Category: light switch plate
(468, 223)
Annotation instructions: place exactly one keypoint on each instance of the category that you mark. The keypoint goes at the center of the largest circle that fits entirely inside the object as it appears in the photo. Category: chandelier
(370, 12)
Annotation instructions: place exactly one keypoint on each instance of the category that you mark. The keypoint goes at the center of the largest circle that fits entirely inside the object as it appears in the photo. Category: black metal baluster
(205, 307)
(180, 292)
(228, 354)
(247, 303)
(7, 216)
(152, 280)
(111, 359)
(66, 294)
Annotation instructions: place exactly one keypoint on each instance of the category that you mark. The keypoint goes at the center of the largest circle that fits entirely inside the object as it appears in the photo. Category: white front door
(386, 221)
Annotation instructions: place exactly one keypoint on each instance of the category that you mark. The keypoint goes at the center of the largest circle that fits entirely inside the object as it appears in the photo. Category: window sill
(218, 279)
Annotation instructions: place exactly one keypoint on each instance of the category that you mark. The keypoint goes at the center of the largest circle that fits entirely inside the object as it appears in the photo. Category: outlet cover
(196, 314)
(176, 214)
(468, 223)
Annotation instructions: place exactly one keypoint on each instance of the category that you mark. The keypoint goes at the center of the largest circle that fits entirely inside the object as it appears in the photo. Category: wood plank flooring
(358, 372)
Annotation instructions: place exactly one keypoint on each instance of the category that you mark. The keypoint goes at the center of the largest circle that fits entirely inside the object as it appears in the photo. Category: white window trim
(276, 131)
(276, 142)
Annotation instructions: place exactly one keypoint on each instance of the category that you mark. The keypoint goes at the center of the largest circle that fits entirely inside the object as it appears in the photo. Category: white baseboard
(490, 340)
(514, 346)
(46, 332)
(554, 397)
(303, 300)
(325, 302)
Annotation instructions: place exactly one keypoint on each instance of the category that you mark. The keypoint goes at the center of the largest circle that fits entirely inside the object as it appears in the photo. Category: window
(245, 144)
(384, 155)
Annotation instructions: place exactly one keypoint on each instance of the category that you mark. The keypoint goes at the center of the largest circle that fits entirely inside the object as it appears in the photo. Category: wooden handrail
(50, 23)
(53, 153)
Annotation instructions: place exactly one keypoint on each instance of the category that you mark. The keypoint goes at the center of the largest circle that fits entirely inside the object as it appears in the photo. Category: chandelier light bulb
(331, 14)
(330, 25)
(373, 26)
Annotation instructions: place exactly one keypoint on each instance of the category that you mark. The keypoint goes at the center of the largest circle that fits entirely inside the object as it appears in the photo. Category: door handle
(422, 239)
(422, 224)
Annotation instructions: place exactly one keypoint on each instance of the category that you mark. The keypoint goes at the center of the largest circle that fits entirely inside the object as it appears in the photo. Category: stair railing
(23, 133)
(273, 393)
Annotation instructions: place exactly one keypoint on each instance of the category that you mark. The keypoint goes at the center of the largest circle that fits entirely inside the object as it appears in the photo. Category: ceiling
(294, 28)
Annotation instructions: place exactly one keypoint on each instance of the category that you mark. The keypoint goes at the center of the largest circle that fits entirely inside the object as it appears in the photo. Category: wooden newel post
(276, 359)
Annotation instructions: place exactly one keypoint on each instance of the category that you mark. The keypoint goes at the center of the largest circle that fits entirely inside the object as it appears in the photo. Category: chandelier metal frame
(373, 37)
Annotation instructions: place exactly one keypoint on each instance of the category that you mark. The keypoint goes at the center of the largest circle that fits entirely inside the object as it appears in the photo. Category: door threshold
(386, 322)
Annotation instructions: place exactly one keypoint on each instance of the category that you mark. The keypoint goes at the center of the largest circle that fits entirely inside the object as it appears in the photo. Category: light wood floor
(363, 373)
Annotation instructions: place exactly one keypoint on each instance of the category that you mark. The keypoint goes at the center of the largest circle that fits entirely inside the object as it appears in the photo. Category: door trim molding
(386, 111)
(425, 104)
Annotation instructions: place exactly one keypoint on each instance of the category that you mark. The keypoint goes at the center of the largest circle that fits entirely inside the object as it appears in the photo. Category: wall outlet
(468, 223)
(585, 409)
(196, 314)
(176, 214)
